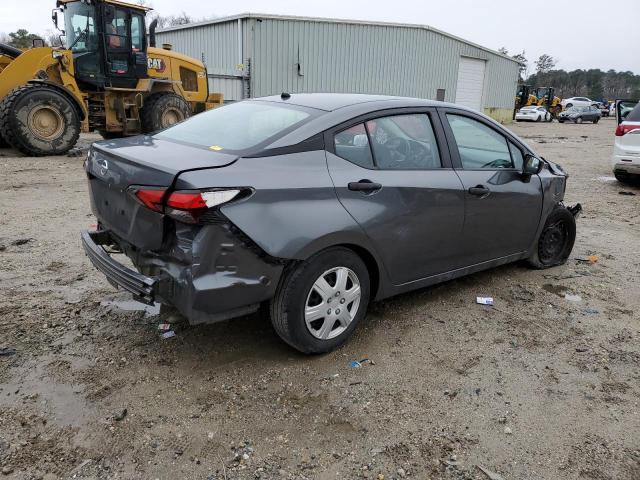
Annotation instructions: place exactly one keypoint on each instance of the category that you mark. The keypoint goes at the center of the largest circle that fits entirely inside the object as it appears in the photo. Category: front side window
(353, 144)
(404, 142)
(238, 126)
(517, 157)
(479, 146)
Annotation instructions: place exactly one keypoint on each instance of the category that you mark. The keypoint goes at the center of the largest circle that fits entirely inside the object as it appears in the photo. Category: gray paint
(297, 54)
(421, 228)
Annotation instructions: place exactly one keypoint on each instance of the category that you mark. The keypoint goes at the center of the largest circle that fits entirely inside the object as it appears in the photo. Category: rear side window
(479, 146)
(404, 142)
(353, 144)
(239, 126)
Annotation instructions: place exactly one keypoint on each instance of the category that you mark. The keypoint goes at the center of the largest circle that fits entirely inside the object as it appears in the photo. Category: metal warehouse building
(252, 55)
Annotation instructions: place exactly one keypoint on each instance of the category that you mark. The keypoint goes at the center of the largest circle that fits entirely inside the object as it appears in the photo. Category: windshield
(238, 126)
(80, 27)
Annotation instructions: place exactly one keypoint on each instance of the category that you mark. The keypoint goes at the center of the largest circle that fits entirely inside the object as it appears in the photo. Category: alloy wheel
(332, 303)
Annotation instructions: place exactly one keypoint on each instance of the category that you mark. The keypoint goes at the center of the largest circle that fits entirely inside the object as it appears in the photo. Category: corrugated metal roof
(331, 20)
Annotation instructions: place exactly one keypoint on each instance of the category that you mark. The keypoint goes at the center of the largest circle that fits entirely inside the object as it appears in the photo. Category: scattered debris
(361, 363)
(120, 416)
(168, 334)
(591, 311)
(163, 327)
(6, 351)
(582, 349)
(588, 258)
(21, 241)
(572, 298)
(490, 475)
(508, 430)
(484, 300)
(631, 194)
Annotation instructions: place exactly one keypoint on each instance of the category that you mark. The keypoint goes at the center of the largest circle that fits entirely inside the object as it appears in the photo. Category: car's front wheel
(578, 120)
(596, 120)
(320, 301)
(556, 239)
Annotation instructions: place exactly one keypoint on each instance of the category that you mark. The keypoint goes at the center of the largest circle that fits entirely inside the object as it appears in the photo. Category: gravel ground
(536, 387)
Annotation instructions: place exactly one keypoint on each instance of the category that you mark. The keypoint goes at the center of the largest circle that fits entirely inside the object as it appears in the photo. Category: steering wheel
(398, 148)
(498, 163)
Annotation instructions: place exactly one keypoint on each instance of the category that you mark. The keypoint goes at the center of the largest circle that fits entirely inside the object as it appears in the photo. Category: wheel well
(371, 264)
(63, 91)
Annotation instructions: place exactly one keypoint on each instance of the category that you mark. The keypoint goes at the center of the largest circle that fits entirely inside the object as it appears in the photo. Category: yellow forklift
(109, 77)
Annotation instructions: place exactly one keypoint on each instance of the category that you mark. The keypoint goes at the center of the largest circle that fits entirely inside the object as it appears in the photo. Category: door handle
(479, 191)
(364, 186)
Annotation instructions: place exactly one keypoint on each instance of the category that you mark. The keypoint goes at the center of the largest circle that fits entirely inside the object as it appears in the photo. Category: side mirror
(532, 166)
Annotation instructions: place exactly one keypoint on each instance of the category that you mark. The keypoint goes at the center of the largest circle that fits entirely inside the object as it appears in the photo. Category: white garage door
(470, 82)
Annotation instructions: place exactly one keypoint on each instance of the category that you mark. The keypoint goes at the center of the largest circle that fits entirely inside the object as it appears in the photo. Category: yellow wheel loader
(110, 77)
(545, 97)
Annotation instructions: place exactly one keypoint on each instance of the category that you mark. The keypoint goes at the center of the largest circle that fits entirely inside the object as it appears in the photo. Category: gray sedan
(318, 204)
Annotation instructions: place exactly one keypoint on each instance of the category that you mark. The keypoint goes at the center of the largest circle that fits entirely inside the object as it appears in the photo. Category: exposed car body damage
(419, 228)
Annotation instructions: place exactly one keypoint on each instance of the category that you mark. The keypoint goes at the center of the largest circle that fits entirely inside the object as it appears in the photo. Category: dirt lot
(537, 387)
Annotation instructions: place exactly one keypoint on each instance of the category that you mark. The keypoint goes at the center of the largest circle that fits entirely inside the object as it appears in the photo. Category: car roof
(334, 101)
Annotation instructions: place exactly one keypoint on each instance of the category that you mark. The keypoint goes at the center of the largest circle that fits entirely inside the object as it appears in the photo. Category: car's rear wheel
(627, 179)
(556, 239)
(320, 301)
(579, 120)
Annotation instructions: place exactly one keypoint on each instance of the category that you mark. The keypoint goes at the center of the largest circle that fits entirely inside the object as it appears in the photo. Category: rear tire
(39, 120)
(627, 179)
(314, 322)
(556, 239)
(109, 135)
(162, 110)
(539, 118)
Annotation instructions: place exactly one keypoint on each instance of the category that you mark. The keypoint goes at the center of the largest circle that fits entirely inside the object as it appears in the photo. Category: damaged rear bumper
(219, 277)
(141, 286)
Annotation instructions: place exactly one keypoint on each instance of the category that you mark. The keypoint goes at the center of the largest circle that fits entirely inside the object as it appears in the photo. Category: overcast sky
(579, 34)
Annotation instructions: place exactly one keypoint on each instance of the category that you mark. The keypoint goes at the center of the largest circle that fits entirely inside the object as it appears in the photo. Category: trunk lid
(114, 166)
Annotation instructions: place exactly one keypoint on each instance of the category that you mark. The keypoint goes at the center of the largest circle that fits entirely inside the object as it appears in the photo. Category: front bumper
(220, 274)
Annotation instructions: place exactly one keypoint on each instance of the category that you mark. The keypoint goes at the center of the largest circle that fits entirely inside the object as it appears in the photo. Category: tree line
(593, 83)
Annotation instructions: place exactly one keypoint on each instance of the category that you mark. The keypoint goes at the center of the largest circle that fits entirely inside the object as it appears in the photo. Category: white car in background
(626, 148)
(533, 113)
(577, 102)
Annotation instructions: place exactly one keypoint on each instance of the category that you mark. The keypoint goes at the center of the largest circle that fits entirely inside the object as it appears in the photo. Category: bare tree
(545, 63)
(4, 37)
(524, 64)
(53, 38)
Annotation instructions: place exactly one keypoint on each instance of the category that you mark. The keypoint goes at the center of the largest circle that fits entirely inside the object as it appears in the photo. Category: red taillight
(150, 197)
(623, 129)
(186, 201)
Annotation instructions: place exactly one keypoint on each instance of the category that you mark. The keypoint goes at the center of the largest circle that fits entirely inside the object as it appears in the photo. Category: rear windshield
(239, 126)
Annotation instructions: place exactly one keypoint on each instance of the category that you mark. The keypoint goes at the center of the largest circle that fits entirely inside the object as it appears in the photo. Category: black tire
(3, 144)
(596, 120)
(295, 290)
(628, 179)
(561, 121)
(569, 105)
(163, 109)
(539, 119)
(109, 135)
(578, 120)
(39, 120)
(556, 239)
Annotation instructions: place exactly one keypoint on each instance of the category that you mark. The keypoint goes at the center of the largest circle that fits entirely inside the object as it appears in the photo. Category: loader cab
(545, 95)
(108, 42)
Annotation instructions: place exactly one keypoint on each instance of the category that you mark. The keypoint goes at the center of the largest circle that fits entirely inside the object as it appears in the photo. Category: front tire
(596, 120)
(579, 120)
(556, 239)
(162, 110)
(39, 120)
(320, 301)
(539, 118)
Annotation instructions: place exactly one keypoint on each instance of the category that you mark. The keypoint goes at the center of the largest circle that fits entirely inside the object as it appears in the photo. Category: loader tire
(39, 120)
(109, 135)
(161, 110)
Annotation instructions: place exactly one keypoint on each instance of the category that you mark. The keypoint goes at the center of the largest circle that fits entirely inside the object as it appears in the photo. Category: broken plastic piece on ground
(120, 416)
(355, 364)
(491, 475)
(168, 334)
(588, 258)
(484, 300)
(361, 363)
(631, 194)
(6, 351)
(572, 298)
(164, 327)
